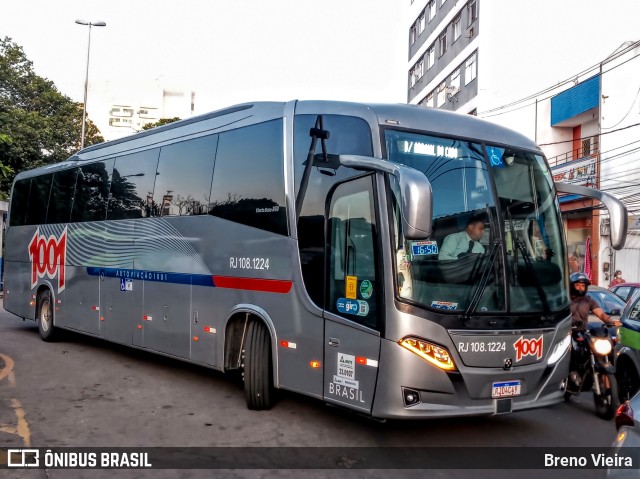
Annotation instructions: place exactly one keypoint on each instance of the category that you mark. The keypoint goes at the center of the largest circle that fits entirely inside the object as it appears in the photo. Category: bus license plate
(505, 389)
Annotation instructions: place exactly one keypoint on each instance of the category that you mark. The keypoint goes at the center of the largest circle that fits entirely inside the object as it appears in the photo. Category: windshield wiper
(484, 279)
(316, 133)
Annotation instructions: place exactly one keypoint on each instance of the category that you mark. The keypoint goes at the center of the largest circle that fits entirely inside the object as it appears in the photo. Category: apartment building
(119, 108)
(558, 73)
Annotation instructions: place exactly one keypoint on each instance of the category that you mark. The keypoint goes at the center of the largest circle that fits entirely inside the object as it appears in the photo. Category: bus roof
(412, 117)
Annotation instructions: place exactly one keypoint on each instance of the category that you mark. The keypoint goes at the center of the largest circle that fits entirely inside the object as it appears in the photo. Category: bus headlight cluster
(432, 353)
(560, 349)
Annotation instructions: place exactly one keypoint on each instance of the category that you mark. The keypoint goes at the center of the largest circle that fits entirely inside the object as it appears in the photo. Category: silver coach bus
(298, 243)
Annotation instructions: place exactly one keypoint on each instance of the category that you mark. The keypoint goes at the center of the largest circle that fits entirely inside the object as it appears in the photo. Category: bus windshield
(496, 243)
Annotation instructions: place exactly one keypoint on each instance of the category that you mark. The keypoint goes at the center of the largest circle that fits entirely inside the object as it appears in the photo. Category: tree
(38, 124)
(160, 122)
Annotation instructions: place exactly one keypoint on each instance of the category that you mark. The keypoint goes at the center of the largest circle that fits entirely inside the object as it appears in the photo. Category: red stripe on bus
(253, 284)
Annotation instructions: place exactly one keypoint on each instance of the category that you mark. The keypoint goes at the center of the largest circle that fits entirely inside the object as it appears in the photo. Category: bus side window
(248, 177)
(353, 286)
(183, 180)
(39, 199)
(92, 192)
(20, 202)
(347, 136)
(64, 184)
(132, 183)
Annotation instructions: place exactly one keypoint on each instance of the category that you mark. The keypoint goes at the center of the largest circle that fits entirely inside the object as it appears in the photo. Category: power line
(571, 79)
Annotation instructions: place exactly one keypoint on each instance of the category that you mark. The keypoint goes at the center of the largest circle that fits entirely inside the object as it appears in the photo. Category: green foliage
(160, 122)
(38, 124)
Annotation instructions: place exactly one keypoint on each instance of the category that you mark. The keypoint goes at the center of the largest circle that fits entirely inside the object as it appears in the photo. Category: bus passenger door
(352, 322)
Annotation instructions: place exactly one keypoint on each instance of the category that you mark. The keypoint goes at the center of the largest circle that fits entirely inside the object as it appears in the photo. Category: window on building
(147, 112)
(416, 72)
(472, 10)
(421, 24)
(457, 27)
(429, 101)
(470, 69)
(586, 147)
(454, 81)
(431, 56)
(442, 43)
(442, 94)
(431, 9)
(412, 34)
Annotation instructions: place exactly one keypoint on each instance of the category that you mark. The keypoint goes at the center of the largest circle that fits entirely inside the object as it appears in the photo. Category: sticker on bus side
(444, 305)
(356, 307)
(350, 287)
(366, 289)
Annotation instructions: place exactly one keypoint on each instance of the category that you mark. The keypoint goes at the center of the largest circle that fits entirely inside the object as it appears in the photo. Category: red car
(625, 290)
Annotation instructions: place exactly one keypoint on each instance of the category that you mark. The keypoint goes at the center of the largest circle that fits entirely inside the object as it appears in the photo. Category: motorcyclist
(582, 304)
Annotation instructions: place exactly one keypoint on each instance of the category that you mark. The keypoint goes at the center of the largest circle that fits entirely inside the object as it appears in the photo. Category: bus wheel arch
(45, 315)
(249, 348)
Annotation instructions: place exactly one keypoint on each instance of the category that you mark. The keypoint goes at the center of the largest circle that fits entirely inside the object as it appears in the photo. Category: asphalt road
(84, 392)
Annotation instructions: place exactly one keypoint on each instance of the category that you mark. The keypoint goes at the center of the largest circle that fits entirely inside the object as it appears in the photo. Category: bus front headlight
(432, 353)
(560, 349)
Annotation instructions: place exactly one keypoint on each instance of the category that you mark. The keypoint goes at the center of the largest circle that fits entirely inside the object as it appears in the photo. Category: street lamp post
(86, 78)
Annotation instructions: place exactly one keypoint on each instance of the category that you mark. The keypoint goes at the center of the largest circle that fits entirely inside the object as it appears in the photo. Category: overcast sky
(227, 51)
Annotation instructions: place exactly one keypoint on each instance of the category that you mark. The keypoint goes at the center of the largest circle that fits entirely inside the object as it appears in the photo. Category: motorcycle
(592, 369)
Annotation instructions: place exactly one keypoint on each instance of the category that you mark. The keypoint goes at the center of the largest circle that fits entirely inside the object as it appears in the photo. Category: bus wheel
(45, 317)
(258, 382)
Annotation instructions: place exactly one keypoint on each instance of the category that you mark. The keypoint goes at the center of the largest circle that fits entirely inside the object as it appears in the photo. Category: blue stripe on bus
(162, 277)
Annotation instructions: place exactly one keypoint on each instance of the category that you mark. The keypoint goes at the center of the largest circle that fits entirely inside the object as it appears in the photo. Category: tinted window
(248, 179)
(92, 192)
(623, 291)
(183, 183)
(19, 202)
(62, 190)
(39, 199)
(347, 135)
(131, 194)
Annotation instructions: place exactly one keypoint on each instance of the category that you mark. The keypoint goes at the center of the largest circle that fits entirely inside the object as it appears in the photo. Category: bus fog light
(410, 397)
(432, 353)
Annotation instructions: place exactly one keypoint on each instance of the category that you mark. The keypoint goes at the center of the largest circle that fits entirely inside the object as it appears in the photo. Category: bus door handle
(335, 342)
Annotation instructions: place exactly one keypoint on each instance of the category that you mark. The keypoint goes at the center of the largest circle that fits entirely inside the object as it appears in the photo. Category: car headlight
(561, 347)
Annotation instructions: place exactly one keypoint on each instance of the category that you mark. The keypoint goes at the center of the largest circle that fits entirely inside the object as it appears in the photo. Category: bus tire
(44, 316)
(258, 381)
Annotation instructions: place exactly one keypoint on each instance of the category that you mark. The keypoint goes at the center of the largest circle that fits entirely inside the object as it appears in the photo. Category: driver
(582, 305)
(466, 242)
